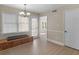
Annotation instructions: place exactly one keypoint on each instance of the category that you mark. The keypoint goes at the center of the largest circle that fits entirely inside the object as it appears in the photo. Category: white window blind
(13, 23)
(23, 24)
(9, 22)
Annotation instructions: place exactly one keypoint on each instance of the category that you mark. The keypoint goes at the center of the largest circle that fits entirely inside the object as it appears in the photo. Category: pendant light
(24, 12)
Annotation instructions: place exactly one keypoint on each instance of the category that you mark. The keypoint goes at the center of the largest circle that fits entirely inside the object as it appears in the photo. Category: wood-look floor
(39, 47)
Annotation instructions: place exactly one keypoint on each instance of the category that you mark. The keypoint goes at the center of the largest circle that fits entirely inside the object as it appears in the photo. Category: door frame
(47, 25)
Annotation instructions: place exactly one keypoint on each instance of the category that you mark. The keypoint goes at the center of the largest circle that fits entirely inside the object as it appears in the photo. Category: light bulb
(28, 13)
(22, 13)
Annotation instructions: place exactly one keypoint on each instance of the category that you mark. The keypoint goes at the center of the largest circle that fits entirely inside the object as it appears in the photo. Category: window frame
(17, 24)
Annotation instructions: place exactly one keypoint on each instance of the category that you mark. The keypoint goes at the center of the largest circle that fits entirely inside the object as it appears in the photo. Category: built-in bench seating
(14, 41)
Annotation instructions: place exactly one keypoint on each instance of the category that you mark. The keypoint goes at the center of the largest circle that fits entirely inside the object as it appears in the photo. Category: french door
(34, 27)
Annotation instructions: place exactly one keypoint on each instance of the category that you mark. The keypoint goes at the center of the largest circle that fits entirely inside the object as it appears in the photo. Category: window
(9, 23)
(23, 24)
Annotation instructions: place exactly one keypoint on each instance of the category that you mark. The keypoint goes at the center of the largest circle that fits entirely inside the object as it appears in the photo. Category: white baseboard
(56, 42)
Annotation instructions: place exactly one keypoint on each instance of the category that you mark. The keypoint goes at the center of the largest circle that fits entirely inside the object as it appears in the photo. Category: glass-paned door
(34, 27)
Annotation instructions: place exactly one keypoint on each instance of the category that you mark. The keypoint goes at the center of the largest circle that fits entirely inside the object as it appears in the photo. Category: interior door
(34, 27)
(67, 31)
(72, 29)
(75, 29)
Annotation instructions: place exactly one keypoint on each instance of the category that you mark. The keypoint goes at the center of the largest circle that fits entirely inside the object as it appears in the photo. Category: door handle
(65, 31)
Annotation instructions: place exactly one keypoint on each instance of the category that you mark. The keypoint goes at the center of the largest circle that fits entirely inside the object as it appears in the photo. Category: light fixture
(24, 12)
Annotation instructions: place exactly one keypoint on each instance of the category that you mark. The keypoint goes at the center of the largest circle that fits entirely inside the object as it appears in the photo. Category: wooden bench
(5, 43)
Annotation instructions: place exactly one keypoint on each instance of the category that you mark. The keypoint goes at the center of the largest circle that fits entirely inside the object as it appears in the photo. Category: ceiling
(37, 8)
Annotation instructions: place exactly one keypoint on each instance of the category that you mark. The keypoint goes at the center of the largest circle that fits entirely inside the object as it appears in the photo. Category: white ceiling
(37, 8)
